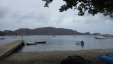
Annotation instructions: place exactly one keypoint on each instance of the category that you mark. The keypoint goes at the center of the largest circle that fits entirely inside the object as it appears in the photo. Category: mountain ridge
(44, 31)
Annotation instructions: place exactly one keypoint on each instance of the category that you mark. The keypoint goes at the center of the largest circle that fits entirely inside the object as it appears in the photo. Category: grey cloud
(32, 14)
(3, 12)
(43, 17)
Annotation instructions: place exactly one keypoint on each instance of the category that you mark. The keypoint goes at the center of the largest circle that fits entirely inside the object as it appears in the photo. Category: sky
(15, 14)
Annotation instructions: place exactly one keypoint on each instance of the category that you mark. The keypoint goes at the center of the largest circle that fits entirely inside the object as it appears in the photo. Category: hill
(44, 31)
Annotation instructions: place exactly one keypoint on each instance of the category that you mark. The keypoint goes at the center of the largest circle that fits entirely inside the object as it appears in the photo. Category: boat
(51, 36)
(30, 43)
(100, 37)
(40, 42)
(2, 38)
(80, 43)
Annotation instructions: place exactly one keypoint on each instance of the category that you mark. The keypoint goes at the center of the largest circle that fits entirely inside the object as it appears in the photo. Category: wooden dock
(7, 49)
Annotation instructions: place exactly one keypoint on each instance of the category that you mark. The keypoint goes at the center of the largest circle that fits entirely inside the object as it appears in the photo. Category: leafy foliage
(92, 6)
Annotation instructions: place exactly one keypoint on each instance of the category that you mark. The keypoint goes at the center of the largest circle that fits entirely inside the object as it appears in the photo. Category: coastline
(53, 57)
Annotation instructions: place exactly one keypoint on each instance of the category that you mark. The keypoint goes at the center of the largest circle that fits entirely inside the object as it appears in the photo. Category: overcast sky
(15, 14)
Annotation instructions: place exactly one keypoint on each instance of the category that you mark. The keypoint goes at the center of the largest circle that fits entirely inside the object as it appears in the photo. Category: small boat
(30, 43)
(2, 38)
(51, 36)
(100, 37)
(80, 43)
(41, 42)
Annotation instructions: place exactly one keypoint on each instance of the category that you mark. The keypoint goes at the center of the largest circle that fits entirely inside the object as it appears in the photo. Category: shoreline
(52, 57)
(93, 50)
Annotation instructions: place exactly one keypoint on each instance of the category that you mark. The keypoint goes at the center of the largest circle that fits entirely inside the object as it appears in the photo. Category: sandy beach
(52, 57)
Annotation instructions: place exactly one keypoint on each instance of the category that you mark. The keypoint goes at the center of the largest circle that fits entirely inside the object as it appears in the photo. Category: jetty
(8, 49)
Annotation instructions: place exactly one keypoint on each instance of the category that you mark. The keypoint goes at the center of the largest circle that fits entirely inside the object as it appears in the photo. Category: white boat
(100, 37)
(51, 36)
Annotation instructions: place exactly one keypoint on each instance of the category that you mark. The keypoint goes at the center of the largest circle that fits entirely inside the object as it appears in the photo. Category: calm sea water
(61, 43)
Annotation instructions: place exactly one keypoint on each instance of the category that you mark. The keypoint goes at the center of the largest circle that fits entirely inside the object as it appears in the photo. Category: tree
(91, 6)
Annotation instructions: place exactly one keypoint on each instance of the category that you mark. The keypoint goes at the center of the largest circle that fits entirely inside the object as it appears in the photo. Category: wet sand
(52, 57)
